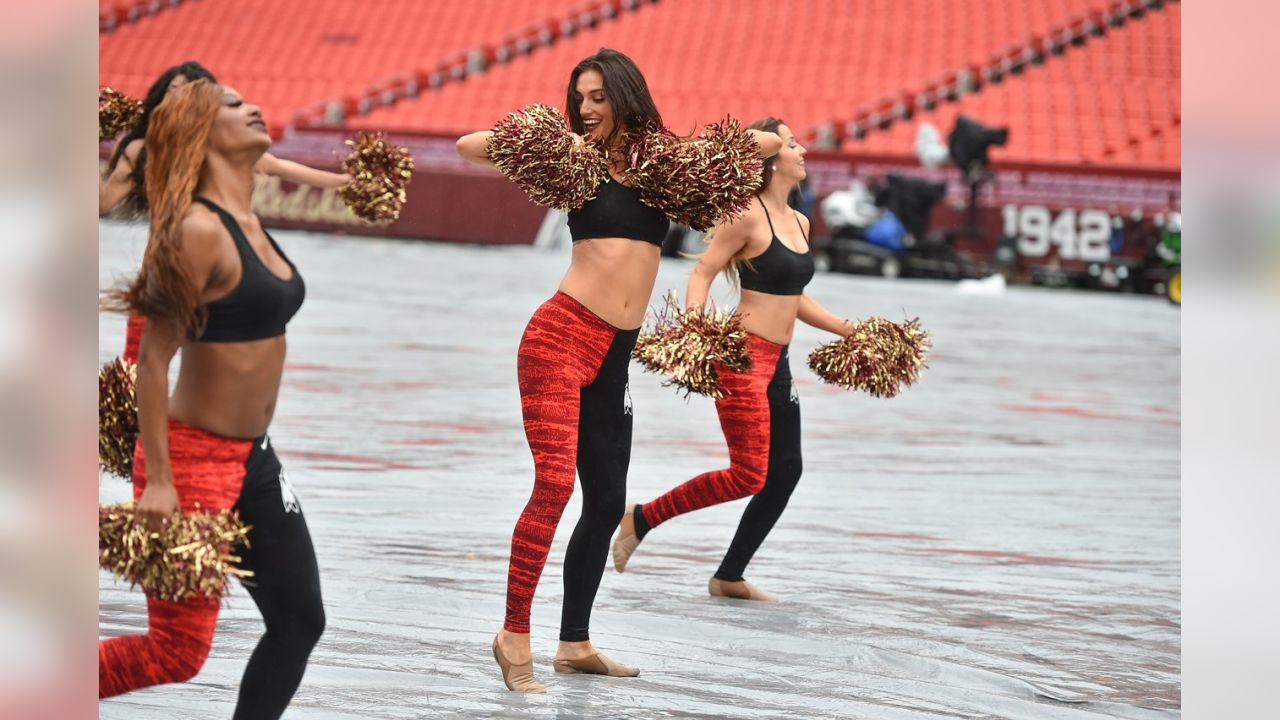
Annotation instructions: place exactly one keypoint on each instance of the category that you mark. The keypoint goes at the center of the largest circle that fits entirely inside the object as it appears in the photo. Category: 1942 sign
(1076, 236)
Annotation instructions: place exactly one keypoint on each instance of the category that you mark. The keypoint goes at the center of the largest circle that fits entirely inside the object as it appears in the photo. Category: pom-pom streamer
(379, 173)
(536, 151)
(190, 557)
(117, 417)
(117, 112)
(697, 182)
(692, 346)
(880, 356)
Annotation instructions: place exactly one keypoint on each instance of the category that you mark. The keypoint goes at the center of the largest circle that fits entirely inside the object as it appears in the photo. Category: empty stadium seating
(114, 13)
(289, 54)
(806, 62)
(1115, 100)
(832, 69)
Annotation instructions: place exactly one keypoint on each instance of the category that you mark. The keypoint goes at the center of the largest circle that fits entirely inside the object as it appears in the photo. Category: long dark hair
(625, 89)
(767, 124)
(134, 205)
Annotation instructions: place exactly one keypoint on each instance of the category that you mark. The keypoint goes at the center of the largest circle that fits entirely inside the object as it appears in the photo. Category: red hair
(177, 145)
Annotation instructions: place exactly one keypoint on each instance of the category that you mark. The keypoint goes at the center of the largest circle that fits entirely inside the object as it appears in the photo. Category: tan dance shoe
(519, 678)
(738, 590)
(626, 542)
(597, 664)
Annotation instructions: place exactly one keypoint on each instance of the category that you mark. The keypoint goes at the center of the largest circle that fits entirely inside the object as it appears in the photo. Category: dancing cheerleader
(765, 252)
(123, 190)
(573, 356)
(214, 285)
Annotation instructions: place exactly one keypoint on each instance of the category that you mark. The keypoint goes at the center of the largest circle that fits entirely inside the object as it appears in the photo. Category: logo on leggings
(626, 399)
(795, 395)
(286, 495)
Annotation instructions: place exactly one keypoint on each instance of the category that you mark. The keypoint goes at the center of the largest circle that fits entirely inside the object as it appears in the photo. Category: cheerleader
(215, 286)
(573, 356)
(765, 253)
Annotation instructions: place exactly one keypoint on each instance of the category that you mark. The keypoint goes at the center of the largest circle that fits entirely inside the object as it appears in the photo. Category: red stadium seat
(1121, 106)
(828, 67)
(296, 53)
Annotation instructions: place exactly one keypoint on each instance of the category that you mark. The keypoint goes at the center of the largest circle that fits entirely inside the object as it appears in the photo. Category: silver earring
(774, 168)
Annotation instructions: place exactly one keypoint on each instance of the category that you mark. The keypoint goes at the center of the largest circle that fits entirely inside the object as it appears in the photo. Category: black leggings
(219, 473)
(785, 466)
(572, 369)
(604, 454)
(285, 586)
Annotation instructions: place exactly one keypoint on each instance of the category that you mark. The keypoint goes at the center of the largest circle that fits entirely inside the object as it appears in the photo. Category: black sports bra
(778, 270)
(616, 211)
(262, 303)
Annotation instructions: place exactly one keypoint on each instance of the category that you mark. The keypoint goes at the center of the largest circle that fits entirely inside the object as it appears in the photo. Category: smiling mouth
(590, 125)
(258, 124)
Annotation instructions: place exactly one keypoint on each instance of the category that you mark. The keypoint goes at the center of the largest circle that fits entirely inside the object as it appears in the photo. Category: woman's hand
(769, 142)
(158, 503)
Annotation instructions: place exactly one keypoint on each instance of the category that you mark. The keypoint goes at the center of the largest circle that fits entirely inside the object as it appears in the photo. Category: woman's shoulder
(745, 226)
(200, 222)
(804, 221)
(133, 149)
(127, 159)
(746, 221)
(753, 214)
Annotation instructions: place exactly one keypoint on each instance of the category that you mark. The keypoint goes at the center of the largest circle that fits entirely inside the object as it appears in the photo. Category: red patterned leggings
(207, 471)
(218, 473)
(572, 369)
(760, 417)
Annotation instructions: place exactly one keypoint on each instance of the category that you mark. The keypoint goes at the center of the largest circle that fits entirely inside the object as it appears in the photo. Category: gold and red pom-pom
(692, 347)
(695, 181)
(379, 173)
(117, 416)
(117, 112)
(190, 557)
(534, 149)
(880, 356)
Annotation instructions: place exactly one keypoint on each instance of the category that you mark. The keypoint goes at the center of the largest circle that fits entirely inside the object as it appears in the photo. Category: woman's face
(789, 163)
(239, 126)
(593, 106)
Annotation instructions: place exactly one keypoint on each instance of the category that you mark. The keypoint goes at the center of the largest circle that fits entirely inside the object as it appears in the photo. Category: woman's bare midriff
(772, 317)
(613, 278)
(229, 389)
